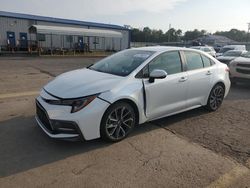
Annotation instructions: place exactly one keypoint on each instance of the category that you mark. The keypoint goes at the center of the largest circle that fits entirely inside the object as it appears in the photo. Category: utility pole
(169, 32)
(248, 32)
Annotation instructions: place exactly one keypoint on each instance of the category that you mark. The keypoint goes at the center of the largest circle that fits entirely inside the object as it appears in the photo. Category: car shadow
(23, 145)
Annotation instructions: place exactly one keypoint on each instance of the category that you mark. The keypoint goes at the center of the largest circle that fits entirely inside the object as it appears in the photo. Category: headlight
(81, 103)
(76, 104)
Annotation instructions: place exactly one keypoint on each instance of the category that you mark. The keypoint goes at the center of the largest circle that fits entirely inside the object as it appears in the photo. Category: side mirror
(157, 74)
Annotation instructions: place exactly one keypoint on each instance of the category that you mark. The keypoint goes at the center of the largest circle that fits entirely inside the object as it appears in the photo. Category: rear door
(199, 73)
(166, 96)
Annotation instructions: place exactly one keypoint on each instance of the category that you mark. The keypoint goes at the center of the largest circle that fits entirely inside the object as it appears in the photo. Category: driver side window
(169, 62)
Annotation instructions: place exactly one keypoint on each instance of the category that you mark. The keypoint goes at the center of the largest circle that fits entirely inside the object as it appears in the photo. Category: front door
(166, 96)
(11, 39)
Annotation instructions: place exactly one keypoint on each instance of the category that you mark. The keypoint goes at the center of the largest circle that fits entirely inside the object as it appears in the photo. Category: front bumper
(84, 124)
(240, 74)
(57, 136)
(56, 128)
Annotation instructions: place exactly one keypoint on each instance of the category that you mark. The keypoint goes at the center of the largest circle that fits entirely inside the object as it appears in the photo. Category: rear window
(206, 61)
(207, 49)
(194, 61)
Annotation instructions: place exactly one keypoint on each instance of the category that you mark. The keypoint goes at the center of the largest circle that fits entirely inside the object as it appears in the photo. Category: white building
(26, 32)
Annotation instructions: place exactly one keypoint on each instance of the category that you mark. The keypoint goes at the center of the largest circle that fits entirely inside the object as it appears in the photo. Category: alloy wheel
(216, 97)
(119, 122)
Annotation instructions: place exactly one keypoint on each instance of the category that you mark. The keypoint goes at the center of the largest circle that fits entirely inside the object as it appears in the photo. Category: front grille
(41, 114)
(243, 65)
(243, 71)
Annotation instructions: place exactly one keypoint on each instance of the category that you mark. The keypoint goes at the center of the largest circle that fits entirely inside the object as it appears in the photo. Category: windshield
(247, 55)
(122, 63)
(232, 53)
(223, 50)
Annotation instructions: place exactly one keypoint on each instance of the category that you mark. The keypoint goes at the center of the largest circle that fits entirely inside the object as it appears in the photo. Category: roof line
(60, 20)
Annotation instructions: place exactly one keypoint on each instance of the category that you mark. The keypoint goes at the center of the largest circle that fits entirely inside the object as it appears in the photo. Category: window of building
(96, 40)
(69, 39)
(41, 37)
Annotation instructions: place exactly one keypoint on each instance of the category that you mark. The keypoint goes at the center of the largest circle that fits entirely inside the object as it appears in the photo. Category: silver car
(230, 55)
(240, 69)
(128, 88)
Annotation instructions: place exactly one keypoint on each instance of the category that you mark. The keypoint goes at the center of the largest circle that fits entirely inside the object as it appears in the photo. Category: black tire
(117, 122)
(216, 97)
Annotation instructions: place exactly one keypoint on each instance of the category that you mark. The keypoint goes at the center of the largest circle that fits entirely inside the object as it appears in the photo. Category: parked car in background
(230, 55)
(131, 87)
(230, 47)
(240, 69)
(207, 49)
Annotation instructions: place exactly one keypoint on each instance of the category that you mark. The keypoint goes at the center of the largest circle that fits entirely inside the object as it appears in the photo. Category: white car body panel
(88, 119)
(176, 93)
(199, 82)
(165, 96)
(82, 82)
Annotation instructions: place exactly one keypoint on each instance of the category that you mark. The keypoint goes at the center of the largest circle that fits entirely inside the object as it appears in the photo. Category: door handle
(183, 79)
(208, 73)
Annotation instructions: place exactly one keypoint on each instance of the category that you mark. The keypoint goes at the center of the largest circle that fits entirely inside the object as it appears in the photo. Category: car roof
(234, 46)
(235, 51)
(161, 48)
(198, 47)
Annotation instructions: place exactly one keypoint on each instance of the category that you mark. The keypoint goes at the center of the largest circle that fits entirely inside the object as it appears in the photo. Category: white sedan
(128, 88)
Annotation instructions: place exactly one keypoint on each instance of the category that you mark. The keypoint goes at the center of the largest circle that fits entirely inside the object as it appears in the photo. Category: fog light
(64, 127)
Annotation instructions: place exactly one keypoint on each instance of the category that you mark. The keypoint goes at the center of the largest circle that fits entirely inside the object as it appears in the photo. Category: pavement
(192, 149)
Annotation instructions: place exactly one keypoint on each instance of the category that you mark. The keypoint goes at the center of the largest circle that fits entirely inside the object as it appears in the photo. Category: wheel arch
(133, 105)
(220, 83)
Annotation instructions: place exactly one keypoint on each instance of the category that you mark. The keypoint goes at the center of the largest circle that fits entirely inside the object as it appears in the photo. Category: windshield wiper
(88, 67)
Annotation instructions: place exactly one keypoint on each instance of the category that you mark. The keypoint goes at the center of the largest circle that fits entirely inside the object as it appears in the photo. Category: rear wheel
(216, 97)
(117, 122)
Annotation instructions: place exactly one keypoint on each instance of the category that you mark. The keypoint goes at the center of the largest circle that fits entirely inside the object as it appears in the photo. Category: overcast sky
(211, 15)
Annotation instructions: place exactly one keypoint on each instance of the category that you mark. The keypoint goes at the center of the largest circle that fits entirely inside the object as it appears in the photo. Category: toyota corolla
(129, 88)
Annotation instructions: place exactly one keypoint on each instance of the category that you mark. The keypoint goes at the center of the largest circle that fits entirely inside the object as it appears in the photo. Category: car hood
(82, 82)
(242, 60)
(226, 58)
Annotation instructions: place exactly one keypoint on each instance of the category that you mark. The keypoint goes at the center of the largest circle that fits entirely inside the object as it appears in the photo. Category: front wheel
(117, 122)
(215, 98)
